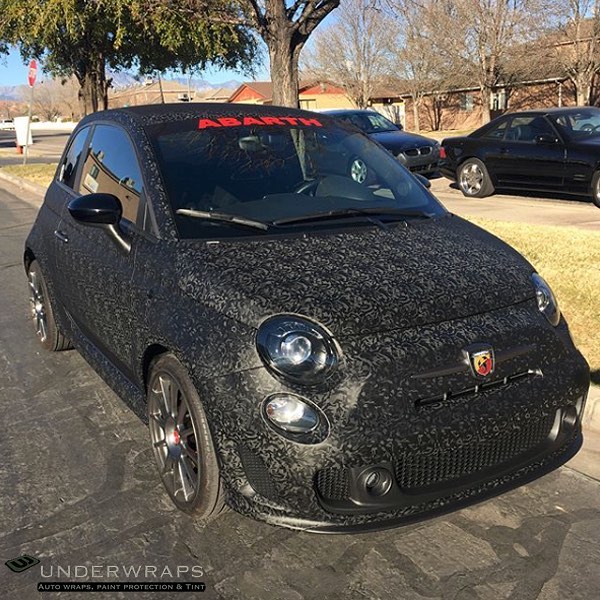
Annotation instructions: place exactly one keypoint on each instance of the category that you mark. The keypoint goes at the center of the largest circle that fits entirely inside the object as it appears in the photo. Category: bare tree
(476, 37)
(575, 47)
(355, 52)
(418, 61)
(285, 27)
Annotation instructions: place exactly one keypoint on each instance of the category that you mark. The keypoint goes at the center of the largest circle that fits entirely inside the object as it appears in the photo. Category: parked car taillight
(442, 152)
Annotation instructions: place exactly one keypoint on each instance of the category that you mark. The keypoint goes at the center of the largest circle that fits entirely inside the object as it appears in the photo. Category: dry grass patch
(569, 260)
(41, 173)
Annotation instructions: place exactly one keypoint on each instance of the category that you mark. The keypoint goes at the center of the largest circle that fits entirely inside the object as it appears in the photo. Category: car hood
(401, 140)
(360, 281)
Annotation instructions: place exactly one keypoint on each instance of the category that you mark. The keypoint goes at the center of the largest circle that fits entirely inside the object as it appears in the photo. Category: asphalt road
(47, 147)
(78, 489)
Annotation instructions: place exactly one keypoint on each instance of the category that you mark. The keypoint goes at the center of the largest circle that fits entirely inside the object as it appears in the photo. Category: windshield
(578, 125)
(369, 122)
(238, 177)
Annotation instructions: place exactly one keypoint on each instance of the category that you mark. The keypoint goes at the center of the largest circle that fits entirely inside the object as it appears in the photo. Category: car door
(97, 279)
(532, 155)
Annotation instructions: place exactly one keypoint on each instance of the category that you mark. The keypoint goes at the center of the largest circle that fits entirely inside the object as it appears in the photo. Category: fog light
(291, 413)
(377, 481)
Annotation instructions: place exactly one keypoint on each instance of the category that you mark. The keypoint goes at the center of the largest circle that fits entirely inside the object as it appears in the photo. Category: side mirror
(96, 209)
(546, 138)
(104, 210)
(422, 180)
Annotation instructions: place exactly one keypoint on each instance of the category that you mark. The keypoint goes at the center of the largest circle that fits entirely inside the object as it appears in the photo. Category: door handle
(503, 150)
(63, 237)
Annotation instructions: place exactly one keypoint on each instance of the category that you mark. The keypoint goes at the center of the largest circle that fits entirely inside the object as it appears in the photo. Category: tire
(473, 179)
(181, 441)
(48, 334)
(596, 189)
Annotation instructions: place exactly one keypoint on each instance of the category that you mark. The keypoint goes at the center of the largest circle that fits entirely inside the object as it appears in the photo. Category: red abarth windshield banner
(235, 122)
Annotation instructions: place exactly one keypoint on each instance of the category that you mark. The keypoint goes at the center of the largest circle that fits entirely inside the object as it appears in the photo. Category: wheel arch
(28, 257)
(151, 352)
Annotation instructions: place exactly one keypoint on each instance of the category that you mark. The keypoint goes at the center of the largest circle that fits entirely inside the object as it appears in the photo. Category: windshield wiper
(353, 212)
(222, 218)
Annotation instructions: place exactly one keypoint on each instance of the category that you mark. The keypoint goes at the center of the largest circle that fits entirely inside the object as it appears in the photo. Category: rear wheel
(42, 314)
(181, 440)
(596, 189)
(474, 180)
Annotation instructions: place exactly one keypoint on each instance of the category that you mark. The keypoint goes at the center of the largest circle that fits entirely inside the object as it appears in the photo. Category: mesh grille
(257, 473)
(416, 471)
(419, 471)
(333, 483)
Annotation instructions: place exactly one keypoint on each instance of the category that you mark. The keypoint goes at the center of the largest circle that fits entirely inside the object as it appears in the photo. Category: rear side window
(73, 158)
(111, 167)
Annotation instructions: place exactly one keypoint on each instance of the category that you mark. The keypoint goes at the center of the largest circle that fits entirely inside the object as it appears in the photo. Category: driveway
(519, 208)
(78, 489)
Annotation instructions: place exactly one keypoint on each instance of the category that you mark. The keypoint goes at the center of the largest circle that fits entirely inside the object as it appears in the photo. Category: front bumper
(416, 161)
(447, 439)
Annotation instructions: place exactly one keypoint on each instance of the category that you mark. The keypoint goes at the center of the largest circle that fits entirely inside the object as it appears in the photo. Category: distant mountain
(123, 79)
(12, 92)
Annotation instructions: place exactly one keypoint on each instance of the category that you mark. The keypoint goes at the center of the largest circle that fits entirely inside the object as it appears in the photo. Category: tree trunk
(486, 94)
(284, 71)
(583, 89)
(416, 120)
(93, 87)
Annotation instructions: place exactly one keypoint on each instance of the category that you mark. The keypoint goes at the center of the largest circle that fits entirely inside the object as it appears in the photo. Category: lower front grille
(421, 471)
(333, 483)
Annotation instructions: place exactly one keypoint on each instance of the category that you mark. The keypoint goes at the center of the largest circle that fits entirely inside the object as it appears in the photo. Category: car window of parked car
(497, 133)
(270, 173)
(578, 125)
(72, 160)
(527, 129)
(111, 167)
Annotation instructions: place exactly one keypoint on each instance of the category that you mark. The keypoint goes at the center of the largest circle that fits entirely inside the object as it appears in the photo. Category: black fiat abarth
(313, 339)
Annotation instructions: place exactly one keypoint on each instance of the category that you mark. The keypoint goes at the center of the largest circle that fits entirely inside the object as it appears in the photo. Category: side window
(111, 167)
(497, 133)
(526, 129)
(73, 159)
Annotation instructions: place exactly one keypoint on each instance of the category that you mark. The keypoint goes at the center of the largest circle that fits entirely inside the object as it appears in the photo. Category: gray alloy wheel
(596, 189)
(46, 329)
(473, 179)
(181, 440)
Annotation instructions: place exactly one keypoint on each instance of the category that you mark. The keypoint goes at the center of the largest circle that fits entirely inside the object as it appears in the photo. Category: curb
(24, 184)
(591, 417)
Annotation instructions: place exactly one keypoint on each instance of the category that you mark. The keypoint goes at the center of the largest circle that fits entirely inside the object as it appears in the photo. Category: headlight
(296, 348)
(546, 300)
(291, 413)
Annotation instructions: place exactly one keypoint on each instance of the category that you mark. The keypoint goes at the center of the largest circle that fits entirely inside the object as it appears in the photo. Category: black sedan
(549, 150)
(313, 339)
(416, 152)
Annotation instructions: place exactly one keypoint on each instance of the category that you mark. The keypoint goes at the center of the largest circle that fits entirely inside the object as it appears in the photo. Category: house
(313, 95)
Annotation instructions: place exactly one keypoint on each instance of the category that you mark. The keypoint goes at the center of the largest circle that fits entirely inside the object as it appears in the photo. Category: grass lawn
(41, 174)
(569, 260)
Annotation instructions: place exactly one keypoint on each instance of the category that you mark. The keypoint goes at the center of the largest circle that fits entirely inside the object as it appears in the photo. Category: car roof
(562, 110)
(346, 111)
(160, 113)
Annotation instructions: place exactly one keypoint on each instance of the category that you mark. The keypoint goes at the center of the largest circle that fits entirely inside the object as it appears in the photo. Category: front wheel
(474, 180)
(181, 440)
(596, 189)
(46, 329)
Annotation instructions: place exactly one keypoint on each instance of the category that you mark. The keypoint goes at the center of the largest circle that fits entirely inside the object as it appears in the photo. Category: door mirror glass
(96, 209)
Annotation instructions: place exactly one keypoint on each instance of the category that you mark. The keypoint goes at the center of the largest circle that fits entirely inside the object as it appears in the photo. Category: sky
(13, 71)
